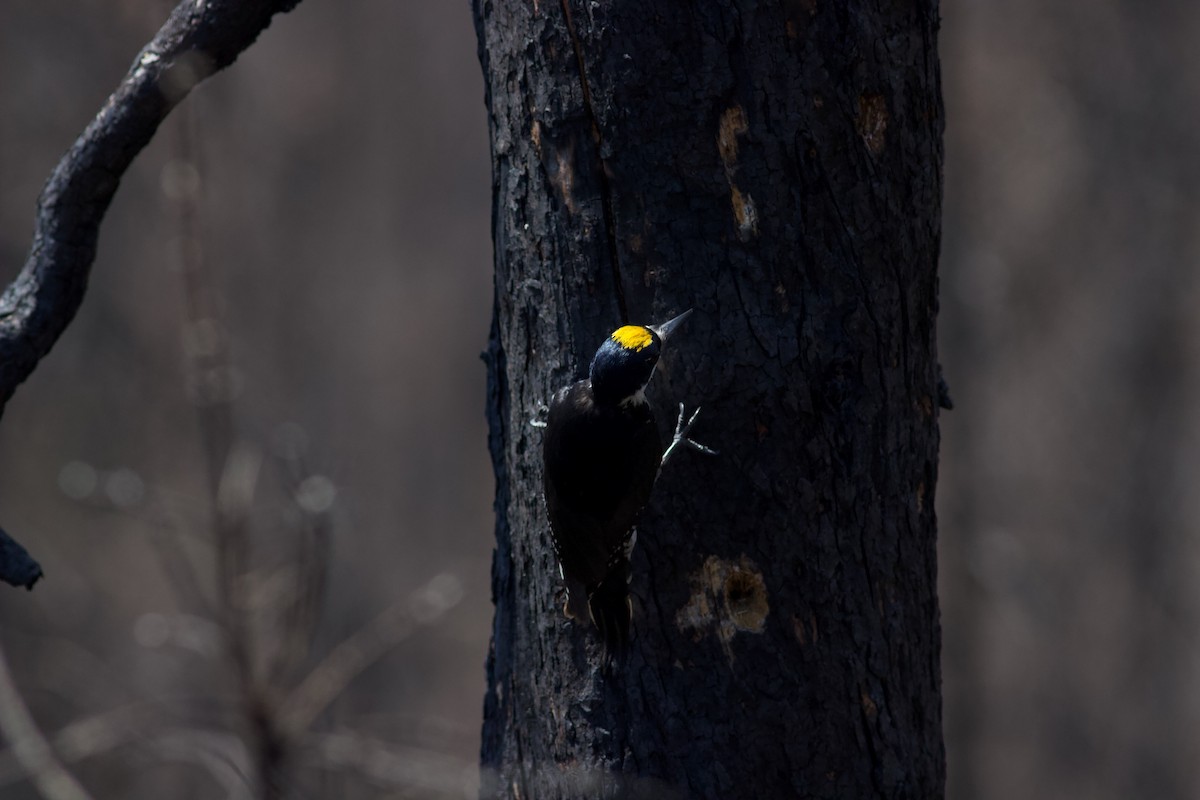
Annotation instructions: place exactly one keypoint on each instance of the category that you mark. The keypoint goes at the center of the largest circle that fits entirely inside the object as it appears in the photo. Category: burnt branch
(16, 565)
(200, 38)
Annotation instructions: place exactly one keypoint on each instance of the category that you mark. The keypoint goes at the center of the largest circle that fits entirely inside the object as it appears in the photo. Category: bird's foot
(538, 420)
(681, 437)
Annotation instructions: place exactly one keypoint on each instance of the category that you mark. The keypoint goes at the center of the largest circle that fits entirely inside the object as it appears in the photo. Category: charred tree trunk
(778, 168)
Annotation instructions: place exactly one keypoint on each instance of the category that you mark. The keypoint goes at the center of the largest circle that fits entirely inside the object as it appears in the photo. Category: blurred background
(1067, 496)
(282, 336)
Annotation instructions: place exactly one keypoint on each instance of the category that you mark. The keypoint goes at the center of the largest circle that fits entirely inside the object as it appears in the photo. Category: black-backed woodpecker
(602, 453)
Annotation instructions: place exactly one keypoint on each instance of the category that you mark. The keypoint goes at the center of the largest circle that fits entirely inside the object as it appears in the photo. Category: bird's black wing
(600, 465)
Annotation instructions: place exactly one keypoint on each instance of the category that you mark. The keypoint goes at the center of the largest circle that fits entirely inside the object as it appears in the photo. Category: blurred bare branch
(83, 739)
(313, 497)
(222, 754)
(234, 467)
(353, 655)
(340, 667)
(29, 746)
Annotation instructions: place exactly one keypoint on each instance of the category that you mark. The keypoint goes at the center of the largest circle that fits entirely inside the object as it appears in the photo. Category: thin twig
(30, 747)
(353, 655)
(85, 738)
(362, 649)
(234, 469)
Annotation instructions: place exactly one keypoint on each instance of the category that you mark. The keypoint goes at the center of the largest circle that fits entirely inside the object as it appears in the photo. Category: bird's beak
(665, 330)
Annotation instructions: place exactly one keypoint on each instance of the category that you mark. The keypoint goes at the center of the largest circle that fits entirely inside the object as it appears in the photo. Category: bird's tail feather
(611, 612)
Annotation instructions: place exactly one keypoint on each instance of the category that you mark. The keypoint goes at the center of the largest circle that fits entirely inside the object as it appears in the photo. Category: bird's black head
(624, 363)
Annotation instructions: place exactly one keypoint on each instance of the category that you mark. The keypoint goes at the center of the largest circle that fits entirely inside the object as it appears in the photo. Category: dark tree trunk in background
(778, 168)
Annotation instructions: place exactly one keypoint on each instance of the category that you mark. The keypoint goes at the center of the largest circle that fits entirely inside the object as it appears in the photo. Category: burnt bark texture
(777, 167)
(199, 38)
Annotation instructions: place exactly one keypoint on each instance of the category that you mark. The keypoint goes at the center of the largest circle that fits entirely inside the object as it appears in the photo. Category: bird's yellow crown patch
(633, 337)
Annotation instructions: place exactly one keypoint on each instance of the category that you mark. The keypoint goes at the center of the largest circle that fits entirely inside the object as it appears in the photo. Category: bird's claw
(539, 417)
(681, 437)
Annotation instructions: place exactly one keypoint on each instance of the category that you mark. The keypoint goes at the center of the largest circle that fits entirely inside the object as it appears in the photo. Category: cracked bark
(779, 170)
(601, 175)
(199, 38)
